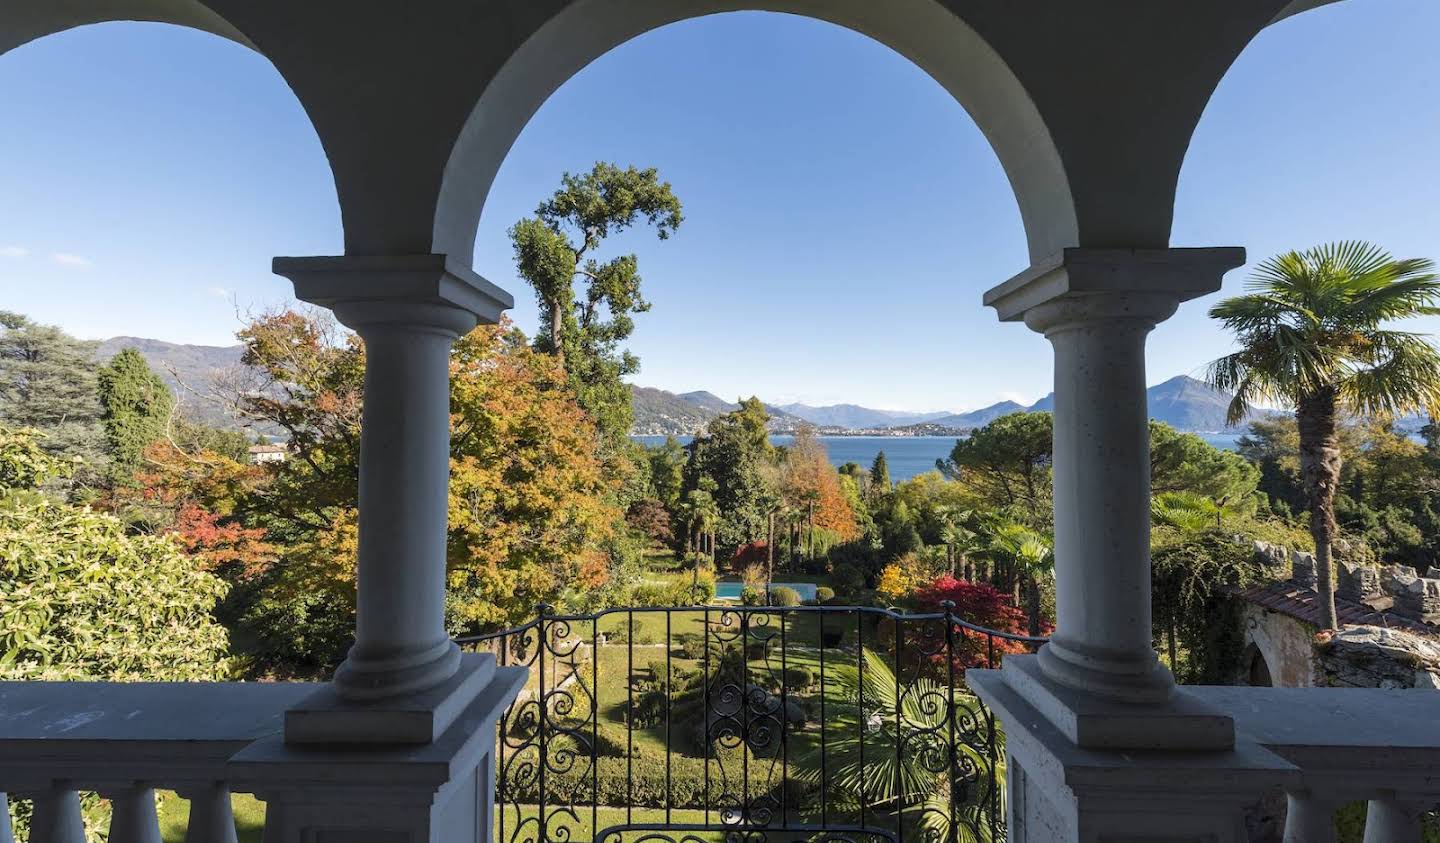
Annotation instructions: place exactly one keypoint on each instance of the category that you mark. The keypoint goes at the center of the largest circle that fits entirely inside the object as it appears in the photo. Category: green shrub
(689, 645)
(648, 594)
(784, 595)
(848, 580)
(799, 678)
(751, 597)
(82, 599)
(824, 594)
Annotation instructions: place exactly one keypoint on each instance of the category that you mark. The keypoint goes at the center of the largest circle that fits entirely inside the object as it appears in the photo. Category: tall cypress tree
(48, 382)
(136, 406)
(880, 474)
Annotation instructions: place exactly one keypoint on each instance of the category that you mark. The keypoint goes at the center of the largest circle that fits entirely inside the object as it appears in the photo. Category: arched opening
(147, 162)
(924, 31)
(1257, 670)
(790, 199)
(1308, 140)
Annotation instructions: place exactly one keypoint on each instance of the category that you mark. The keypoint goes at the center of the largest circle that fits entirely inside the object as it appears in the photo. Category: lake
(907, 455)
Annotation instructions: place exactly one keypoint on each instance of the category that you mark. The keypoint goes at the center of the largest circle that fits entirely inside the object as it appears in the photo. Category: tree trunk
(810, 529)
(1320, 474)
(557, 343)
(1032, 600)
(770, 545)
(1171, 646)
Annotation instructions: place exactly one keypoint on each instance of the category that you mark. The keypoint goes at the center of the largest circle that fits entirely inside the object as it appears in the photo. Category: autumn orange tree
(810, 485)
(533, 511)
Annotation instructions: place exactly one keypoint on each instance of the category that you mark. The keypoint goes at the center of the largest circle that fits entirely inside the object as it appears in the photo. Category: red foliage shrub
(751, 553)
(650, 517)
(979, 604)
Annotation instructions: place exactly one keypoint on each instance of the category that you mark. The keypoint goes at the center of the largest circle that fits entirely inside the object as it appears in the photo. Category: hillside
(1185, 403)
(191, 371)
(980, 417)
(661, 413)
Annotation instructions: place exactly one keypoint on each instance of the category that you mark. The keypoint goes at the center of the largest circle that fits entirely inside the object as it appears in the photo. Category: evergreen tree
(136, 407)
(584, 328)
(48, 383)
(880, 474)
(735, 453)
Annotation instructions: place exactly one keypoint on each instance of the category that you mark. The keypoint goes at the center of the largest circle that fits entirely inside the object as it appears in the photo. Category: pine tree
(880, 474)
(136, 406)
(48, 382)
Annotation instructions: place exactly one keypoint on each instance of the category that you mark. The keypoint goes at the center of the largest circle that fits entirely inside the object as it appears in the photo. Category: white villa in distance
(1089, 106)
(261, 454)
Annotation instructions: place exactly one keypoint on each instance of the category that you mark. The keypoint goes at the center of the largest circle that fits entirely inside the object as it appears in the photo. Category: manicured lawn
(250, 818)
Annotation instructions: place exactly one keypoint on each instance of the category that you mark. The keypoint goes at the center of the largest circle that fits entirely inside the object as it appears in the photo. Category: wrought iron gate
(749, 725)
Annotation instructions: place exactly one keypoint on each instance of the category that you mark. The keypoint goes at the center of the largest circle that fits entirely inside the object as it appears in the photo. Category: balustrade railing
(751, 724)
(60, 741)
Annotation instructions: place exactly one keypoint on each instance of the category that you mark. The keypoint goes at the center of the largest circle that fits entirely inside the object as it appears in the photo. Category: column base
(1129, 681)
(1180, 722)
(440, 792)
(360, 678)
(1061, 792)
(329, 717)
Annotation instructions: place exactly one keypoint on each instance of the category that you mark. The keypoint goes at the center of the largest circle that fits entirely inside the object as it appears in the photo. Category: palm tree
(1189, 512)
(1030, 556)
(1311, 336)
(882, 749)
(959, 540)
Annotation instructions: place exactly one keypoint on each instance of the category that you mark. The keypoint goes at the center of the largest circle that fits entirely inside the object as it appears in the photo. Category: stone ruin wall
(1359, 656)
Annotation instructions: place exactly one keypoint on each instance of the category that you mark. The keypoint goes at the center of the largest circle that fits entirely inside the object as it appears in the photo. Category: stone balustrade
(124, 741)
(1347, 744)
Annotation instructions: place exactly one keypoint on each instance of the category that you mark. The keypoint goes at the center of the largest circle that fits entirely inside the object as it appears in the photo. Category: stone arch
(27, 20)
(1256, 668)
(1295, 7)
(924, 31)
(24, 21)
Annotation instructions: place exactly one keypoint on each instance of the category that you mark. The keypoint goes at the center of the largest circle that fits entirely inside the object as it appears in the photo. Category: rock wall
(1375, 657)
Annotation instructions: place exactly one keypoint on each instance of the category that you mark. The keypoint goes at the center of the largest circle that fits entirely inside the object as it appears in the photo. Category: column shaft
(1102, 642)
(401, 645)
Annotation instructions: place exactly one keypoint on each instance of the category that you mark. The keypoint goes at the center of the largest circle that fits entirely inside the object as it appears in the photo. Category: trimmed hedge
(641, 782)
(784, 595)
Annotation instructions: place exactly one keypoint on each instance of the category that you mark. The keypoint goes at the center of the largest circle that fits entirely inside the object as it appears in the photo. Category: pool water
(731, 590)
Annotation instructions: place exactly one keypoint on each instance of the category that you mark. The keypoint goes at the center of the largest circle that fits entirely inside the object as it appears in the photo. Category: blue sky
(843, 213)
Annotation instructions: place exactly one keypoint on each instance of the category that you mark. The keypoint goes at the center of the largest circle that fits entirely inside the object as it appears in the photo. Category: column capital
(365, 290)
(1084, 284)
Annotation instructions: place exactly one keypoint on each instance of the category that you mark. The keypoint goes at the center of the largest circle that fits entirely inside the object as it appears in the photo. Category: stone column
(1097, 307)
(409, 310)
(1102, 640)
(400, 746)
(1076, 713)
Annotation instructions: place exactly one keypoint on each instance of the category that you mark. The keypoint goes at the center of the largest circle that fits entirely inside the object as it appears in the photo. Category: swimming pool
(731, 590)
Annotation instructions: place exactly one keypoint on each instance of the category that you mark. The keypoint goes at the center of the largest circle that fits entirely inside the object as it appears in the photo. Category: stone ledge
(1181, 723)
(325, 717)
(1247, 768)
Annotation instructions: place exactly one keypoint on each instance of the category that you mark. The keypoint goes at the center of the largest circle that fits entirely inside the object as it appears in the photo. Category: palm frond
(1402, 375)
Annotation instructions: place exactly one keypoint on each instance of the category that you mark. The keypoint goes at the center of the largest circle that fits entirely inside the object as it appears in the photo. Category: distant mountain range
(1181, 402)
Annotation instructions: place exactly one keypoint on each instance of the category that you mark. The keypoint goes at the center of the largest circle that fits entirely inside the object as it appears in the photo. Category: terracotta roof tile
(1303, 603)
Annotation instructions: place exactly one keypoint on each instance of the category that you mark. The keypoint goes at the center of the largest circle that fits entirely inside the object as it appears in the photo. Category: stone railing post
(398, 746)
(1097, 690)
